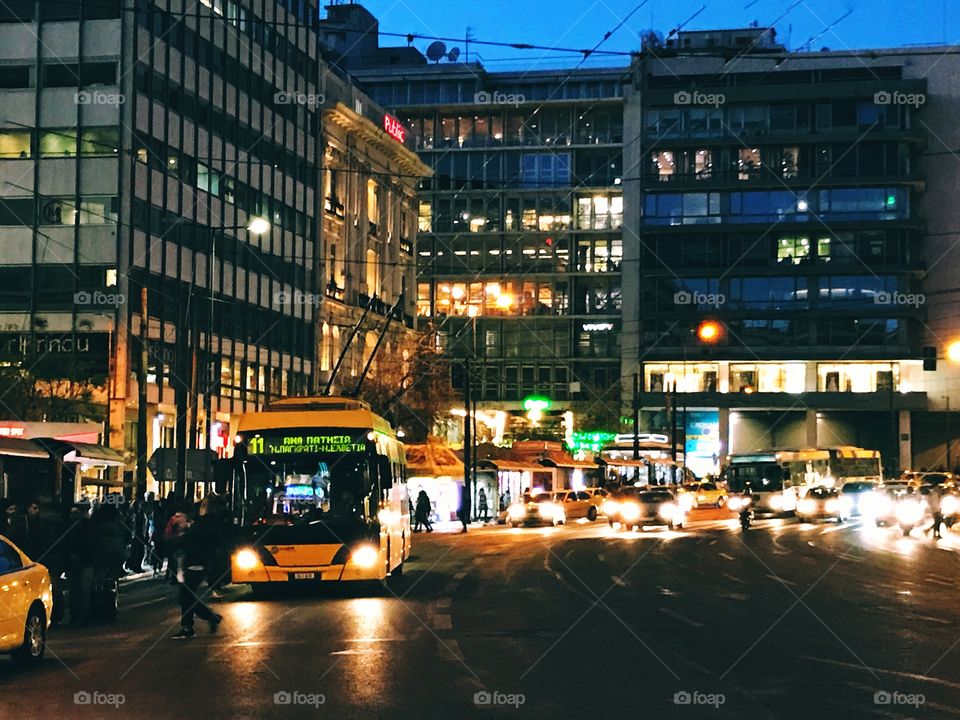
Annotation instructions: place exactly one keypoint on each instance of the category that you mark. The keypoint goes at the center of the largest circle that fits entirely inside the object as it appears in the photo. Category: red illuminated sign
(394, 128)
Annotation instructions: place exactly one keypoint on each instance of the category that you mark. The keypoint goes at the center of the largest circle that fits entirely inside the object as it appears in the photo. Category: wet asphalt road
(784, 621)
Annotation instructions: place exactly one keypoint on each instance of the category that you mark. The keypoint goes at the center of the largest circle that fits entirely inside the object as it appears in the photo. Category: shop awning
(432, 460)
(491, 464)
(101, 481)
(15, 447)
(87, 454)
(562, 460)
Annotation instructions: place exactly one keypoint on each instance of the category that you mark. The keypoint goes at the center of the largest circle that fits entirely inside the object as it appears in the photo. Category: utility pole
(949, 439)
(636, 426)
(181, 395)
(140, 491)
(465, 504)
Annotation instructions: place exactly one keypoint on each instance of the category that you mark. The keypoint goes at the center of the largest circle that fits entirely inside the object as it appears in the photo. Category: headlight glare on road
(365, 556)
(630, 512)
(806, 506)
(246, 559)
(909, 512)
(667, 511)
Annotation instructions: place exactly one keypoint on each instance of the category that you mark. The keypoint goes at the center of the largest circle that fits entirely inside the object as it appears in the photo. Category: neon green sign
(592, 441)
(536, 402)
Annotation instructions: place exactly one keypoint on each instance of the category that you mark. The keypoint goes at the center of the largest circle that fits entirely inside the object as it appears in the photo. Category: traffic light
(929, 358)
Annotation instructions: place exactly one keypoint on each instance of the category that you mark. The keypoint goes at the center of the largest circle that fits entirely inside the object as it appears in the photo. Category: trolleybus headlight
(247, 559)
(365, 556)
(776, 502)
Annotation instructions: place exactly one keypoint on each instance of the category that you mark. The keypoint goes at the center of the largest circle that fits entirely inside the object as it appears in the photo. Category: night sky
(580, 23)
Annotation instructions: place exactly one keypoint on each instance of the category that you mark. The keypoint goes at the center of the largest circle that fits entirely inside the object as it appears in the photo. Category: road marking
(734, 596)
(725, 556)
(618, 581)
(883, 671)
(728, 576)
(444, 602)
(134, 606)
(940, 580)
(460, 575)
(681, 618)
(780, 579)
(450, 649)
(600, 557)
(451, 587)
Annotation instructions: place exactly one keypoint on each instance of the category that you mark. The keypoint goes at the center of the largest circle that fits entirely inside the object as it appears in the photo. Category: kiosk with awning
(23, 466)
(82, 471)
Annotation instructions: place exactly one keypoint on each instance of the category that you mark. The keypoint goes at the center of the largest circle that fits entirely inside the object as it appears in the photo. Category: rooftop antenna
(468, 36)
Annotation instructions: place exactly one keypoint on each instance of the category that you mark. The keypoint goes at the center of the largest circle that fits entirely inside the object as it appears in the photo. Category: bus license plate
(305, 576)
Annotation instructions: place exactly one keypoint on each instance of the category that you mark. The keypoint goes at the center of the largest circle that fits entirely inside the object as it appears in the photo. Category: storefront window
(690, 377)
(857, 377)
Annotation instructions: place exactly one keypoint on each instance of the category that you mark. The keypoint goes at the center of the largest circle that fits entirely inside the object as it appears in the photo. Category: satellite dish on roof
(436, 50)
(453, 54)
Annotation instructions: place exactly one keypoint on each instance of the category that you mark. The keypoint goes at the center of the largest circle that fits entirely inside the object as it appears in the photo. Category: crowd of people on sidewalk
(99, 542)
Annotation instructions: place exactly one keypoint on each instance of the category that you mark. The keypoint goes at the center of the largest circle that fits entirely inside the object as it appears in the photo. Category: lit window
(792, 250)
(749, 163)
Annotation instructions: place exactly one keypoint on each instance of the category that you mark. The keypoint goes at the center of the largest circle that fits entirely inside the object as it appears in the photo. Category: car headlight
(630, 511)
(832, 505)
(873, 505)
(609, 507)
(667, 511)
(909, 512)
(516, 511)
(246, 559)
(548, 510)
(735, 503)
(806, 506)
(685, 501)
(948, 506)
(776, 502)
(365, 556)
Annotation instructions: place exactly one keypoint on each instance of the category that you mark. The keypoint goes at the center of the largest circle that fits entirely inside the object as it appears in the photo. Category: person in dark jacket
(422, 515)
(110, 542)
(81, 544)
(138, 523)
(31, 533)
(8, 510)
(195, 553)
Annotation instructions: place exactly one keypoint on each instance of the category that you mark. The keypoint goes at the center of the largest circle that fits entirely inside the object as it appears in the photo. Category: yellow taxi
(26, 601)
(706, 494)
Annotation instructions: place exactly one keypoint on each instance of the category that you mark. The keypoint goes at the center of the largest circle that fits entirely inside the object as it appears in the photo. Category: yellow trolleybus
(323, 481)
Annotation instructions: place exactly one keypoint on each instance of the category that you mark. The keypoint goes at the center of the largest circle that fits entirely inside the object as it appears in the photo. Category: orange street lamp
(709, 331)
(953, 351)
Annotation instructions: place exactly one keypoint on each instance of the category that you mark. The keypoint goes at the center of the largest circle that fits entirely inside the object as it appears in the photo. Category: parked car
(706, 494)
(26, 604)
